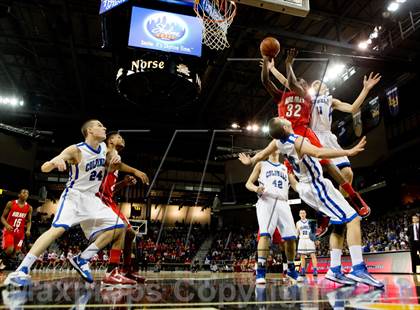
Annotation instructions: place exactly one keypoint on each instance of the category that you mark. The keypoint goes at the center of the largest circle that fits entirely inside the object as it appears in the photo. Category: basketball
(270, 47)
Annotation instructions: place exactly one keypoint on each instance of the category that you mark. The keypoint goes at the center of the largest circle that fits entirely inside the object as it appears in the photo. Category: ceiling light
(393, 6)
(234, 126)
(265, 129)
(249, 127)
(255, 127)
(363, 45)
(401, 1)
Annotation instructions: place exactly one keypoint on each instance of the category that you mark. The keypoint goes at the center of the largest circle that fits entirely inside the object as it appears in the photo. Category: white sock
(261, 260)
(90, 251)
(335, 257)
(356, 254)
(28, 261)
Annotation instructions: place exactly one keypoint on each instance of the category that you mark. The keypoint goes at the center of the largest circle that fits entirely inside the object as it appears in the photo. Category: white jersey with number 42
(274, 179)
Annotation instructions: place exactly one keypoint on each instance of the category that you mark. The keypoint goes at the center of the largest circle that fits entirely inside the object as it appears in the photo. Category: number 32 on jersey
(293, 109)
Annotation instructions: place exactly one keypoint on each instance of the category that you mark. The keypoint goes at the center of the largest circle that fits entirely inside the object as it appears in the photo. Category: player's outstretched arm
(292, 80)
(128, 181)
(68, 154)
(4, 216)
(305, 147)
(265, 79)
(261, 155)
(139, 174)
(250, 184)
(277, 74)
(368, 84)
(29, 222)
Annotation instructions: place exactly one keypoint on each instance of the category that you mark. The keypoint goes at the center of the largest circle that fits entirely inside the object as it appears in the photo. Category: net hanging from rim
(217, 16)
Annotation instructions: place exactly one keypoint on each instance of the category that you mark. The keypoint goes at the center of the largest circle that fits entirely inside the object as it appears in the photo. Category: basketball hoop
(217, 16)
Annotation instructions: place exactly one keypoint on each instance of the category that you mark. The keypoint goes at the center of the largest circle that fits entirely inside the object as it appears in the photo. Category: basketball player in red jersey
(16, 214)
(295, 105)
(109, 188)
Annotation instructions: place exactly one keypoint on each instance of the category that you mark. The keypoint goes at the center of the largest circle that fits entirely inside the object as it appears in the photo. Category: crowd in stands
(382, 234)
(172, 246)
(233, 247)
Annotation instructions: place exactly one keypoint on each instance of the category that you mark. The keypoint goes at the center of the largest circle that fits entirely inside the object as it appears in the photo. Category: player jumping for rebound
(115, 275)
(16, 215)
(321, 117)
(273, 211)
(296, 106)
(321, 195)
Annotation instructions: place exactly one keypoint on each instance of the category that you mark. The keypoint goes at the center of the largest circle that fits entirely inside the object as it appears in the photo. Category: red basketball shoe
(116, 279)
(361, 207)
(133, 275)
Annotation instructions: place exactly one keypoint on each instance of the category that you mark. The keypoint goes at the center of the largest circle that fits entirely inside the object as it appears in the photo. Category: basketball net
(217, 16)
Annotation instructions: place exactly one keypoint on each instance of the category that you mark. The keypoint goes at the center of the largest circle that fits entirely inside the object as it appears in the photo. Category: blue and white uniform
(272, 207)
(78, 203)
(321, 120)
(316, 191)
(305, 245)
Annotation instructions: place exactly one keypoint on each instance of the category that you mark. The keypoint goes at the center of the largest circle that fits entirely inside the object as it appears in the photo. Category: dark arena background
(184, 84)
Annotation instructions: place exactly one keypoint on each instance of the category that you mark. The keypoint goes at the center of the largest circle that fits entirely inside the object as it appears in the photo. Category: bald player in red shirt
(295, 105)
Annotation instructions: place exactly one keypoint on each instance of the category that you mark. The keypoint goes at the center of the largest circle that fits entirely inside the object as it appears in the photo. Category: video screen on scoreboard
(164, 31)
(107, 5)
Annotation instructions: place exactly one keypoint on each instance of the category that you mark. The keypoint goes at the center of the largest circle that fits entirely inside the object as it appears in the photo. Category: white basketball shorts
(87, 210)
(272, 213)
(329, 140)
(306, 246)
(321, 195)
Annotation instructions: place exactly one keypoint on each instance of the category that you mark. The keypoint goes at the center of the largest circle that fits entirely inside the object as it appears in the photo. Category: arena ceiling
(50, 52)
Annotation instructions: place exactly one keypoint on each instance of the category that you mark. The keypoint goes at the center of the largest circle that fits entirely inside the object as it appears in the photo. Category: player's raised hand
(130, 180)
(360, 147)
(370, 82)
(270, 62)
(291, 54)
(59, 164)
(142, 176)
(245, 159)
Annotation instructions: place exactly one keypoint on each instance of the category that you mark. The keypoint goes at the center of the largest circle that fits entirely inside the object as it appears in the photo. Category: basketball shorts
(12, 240)
(309, 134)
(306, 246)
(273, 213)
(87, 210)
(275, 239)
(328, 139)
(322, 196)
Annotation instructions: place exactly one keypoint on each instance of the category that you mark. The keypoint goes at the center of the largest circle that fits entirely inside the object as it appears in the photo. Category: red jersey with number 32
(295, 109)
(17, 217)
